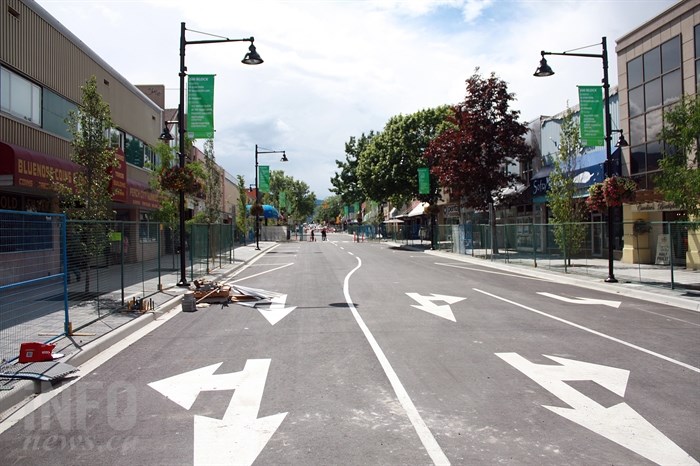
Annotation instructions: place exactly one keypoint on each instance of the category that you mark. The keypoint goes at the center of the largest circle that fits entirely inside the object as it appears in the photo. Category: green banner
(283, 200)
(592, 121)
(264, 178)
(347, 210)
(200, 106)
(356, 207)
(423, 181)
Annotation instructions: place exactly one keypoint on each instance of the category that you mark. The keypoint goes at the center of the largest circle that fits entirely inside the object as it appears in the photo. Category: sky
(336, 69)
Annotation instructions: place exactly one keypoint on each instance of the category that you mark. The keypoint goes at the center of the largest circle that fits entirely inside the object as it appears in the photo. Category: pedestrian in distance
(323, 235)
(312, 236)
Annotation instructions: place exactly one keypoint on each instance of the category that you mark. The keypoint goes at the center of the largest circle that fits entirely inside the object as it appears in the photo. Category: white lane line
(594, 332)
(426, 437)
(262, 273)
(507, 274)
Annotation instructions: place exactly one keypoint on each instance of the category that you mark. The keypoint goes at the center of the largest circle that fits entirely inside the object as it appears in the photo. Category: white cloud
(336, 69)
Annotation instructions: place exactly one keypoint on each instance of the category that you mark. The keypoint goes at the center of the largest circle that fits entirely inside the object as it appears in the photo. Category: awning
(418, 210)
(592, 171)
(268, 211)
(26, 168)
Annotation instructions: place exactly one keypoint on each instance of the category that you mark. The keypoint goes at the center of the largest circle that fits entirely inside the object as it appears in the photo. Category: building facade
(658, 63)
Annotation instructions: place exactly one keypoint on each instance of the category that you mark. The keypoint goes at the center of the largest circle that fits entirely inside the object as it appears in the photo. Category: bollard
(188, 303)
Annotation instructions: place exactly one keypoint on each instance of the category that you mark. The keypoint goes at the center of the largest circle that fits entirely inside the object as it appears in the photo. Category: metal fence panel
(32, 279)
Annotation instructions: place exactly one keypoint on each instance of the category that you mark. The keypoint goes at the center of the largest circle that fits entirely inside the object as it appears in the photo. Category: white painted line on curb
(426, 437)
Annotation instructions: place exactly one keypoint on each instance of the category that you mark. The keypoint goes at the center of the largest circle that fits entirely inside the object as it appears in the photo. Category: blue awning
(592, 171)
(268, 211)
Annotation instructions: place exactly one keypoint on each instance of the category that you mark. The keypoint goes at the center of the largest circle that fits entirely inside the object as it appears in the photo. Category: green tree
(568, 212)
(329, 210)
(679, 182)
(345, 183)
(387, 168)
(212, 185)
(241, 216)
(88, 201)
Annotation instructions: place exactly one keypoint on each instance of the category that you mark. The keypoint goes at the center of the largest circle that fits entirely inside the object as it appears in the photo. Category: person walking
(323, 234)
(312, 236)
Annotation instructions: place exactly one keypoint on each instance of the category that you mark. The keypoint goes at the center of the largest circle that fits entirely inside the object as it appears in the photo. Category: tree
(387, 168)
(567, 211)
(472, 156)
(212, 185)
(329, 210)
(241, 223)
(679, 182)
(88, 200)
(345, 183)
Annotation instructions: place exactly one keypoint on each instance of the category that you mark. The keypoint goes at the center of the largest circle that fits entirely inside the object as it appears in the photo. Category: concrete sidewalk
(102, 333)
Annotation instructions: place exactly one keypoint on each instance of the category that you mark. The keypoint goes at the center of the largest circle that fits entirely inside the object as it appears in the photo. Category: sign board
(200, 106)
(423, 180)
(592, 126)
(663, 250)
(264, 175)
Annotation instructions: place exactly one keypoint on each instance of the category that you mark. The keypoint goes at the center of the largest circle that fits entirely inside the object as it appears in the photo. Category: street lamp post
(257, 189)
(545, 70)
(251, 58)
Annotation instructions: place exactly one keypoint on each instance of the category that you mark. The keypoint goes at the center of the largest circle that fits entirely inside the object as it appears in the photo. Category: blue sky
(336, 69)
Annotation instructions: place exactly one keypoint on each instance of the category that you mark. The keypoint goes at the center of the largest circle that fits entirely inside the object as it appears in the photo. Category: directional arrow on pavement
(603, 302)
(427, 304)
(276, 311)
(619, 423)
(239, 437)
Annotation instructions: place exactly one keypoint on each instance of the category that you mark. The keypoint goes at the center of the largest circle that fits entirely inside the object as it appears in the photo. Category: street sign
(618, 423)
(427, 304)
(240, 436)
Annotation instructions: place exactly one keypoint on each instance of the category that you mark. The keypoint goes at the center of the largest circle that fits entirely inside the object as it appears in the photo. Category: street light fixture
(545, 70)
(251, 58)
(257, 189)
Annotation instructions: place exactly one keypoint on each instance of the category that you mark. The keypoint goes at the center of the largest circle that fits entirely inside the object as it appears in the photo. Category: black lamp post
(257, 190)
(251, 58)
(545, 70)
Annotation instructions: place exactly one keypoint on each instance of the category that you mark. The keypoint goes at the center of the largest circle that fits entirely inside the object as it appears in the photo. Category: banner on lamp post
(423, 180)
(200, 106)
(264, 178)
(283, 200)
(591, 120)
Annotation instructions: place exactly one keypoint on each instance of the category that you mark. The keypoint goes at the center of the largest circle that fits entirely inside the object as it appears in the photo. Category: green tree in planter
(568, 212)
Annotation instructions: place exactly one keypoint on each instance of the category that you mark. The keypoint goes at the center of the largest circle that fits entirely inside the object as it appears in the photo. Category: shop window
(148, 231)
(635, 72)
(25, 232)
(55, 110)
(638, 160)
(133, 150)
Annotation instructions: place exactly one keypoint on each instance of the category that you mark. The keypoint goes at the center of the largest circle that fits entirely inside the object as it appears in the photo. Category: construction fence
(58, 276)
(656, 252)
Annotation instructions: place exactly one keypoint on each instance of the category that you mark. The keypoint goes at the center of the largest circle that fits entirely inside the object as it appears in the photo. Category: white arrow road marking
(619, 423)
(276, 311)
(603, 302)
(427, 304)
(239, 437)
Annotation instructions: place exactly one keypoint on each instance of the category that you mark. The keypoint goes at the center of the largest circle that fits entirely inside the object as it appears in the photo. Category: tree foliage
(213, 185)
(567, 210)
(345, 182)
(329, 210)
(679, 182)
(471, 156)
(387, 168)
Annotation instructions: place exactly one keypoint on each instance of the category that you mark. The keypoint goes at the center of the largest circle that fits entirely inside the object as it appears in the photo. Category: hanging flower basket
(612, 192)
(596, 200)
(178, 179)
(257, 210)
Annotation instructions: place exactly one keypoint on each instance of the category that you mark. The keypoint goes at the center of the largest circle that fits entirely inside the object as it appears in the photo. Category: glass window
(133, 149)
(652, 64)
(636, 101)
(20, 97)
(55, 111)
(671, 54)
(635, 73)
(697, 41)
(672, 87)
(652, 94)
(654, 122)
(641, 181)
(637, 131)
(116, 138)
(653, 155)
(638, 160)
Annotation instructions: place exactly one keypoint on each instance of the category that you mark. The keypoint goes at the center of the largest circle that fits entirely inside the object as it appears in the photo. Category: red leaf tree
(471, 158)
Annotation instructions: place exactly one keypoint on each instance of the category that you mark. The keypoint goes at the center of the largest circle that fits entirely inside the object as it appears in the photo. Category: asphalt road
(374, 355)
